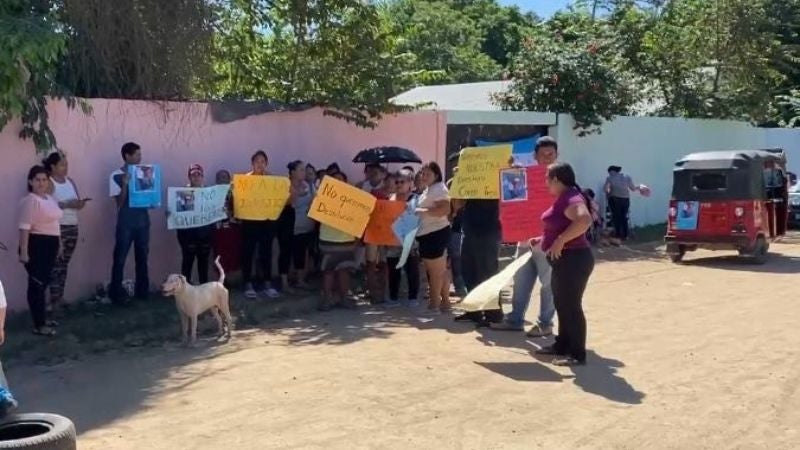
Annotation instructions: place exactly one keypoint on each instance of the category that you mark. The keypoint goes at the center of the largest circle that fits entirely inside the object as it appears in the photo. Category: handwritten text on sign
(196, 207)
(478, 171)
(257, 197)
(341, 206)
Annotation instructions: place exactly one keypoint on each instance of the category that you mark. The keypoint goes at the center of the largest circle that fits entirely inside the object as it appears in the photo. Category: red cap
(195, 168)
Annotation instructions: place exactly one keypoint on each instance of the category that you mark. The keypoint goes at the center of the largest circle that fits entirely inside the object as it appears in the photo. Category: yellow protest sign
(478, 172)
(341, 206)
(258, 197)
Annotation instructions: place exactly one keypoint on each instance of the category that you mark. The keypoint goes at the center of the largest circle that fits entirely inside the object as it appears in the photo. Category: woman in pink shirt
(39, 242)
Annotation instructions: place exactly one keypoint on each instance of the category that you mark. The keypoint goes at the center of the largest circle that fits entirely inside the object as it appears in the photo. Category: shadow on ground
(776, 263)
(599, 376)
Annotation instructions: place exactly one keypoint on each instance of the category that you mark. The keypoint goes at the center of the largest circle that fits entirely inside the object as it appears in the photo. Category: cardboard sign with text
(259, 197)
(477, 172)
(379, 229)
(196, 207)
(342, 206)
(524, 198)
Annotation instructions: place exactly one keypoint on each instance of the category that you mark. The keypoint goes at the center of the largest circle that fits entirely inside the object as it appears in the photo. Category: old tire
(37, 431)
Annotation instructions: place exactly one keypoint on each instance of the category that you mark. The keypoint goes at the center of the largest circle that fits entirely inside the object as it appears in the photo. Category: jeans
(136, 232)
(524, 281)
(619, 215)
(571, 274)
(479, 257)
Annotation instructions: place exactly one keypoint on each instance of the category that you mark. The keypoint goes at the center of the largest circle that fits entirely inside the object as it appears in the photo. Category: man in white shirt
(133, 228)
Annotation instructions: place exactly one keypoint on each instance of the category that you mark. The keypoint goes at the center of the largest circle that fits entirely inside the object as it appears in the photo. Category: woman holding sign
(570, 255)
(195, 242)
(257, 237)
(433, 236)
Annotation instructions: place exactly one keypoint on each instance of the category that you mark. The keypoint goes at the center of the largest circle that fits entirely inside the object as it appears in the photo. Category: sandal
(549, 350)
(44, 331)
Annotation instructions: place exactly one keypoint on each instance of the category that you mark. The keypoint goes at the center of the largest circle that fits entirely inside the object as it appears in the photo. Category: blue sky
(544, 8)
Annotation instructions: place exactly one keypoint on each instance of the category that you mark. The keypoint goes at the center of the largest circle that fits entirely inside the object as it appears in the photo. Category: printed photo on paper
(514, 185)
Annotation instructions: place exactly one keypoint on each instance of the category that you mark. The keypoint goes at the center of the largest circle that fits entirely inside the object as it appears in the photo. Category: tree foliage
(30, 48)
(336, 54)
(137, 49)
(579, 76)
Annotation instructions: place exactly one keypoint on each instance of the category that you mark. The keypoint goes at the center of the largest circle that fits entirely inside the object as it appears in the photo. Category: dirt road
(702, 355)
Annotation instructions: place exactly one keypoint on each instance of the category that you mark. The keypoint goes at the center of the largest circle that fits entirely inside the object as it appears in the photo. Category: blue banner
(521, 149)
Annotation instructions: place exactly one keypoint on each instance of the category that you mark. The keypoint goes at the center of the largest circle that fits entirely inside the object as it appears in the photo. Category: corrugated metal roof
(455, 97)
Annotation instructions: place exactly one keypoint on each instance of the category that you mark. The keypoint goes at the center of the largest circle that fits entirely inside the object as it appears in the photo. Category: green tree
(30, 49)
(441, 38)
(338, 55)
(580, 77)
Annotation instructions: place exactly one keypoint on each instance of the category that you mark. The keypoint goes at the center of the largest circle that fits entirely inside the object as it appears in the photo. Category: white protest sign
(196, 207)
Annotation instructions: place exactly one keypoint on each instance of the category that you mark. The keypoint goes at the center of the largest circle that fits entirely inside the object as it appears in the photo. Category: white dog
(195, 300)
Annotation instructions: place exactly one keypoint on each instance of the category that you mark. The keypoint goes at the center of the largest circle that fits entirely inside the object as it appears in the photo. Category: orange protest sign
(379, 229)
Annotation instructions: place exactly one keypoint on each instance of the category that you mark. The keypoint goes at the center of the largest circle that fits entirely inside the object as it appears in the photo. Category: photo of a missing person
(515, 185)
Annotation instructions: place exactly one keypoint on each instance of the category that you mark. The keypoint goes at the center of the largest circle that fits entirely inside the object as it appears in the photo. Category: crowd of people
(457, 244)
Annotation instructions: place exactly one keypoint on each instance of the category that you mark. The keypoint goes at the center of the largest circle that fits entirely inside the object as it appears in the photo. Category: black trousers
(301, 248)
(193, 249)
(619, 215)
(257, 237)
(285, 232)
(42, 253)
(412, 273)
(570, 275)
(479, 257)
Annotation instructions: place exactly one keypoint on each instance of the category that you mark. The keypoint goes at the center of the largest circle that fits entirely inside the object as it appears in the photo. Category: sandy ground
(702, 355)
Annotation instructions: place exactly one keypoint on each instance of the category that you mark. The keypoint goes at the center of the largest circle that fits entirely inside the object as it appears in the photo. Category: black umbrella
(383, 155)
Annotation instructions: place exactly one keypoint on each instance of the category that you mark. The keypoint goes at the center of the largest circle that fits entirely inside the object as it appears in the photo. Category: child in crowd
(338, 259)
(597, 220)
(226, 238)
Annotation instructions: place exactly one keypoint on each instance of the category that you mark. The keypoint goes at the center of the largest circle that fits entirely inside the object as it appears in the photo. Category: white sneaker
(249, 292)
(271, 293)
(413, 303)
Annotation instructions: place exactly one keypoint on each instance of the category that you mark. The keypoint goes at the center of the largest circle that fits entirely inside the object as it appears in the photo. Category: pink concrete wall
(176, 135)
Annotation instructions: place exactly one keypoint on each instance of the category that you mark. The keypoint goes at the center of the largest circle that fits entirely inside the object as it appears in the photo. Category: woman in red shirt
(570, 255)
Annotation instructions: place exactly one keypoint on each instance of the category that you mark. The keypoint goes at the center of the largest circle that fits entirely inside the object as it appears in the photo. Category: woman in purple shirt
(570, 255)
